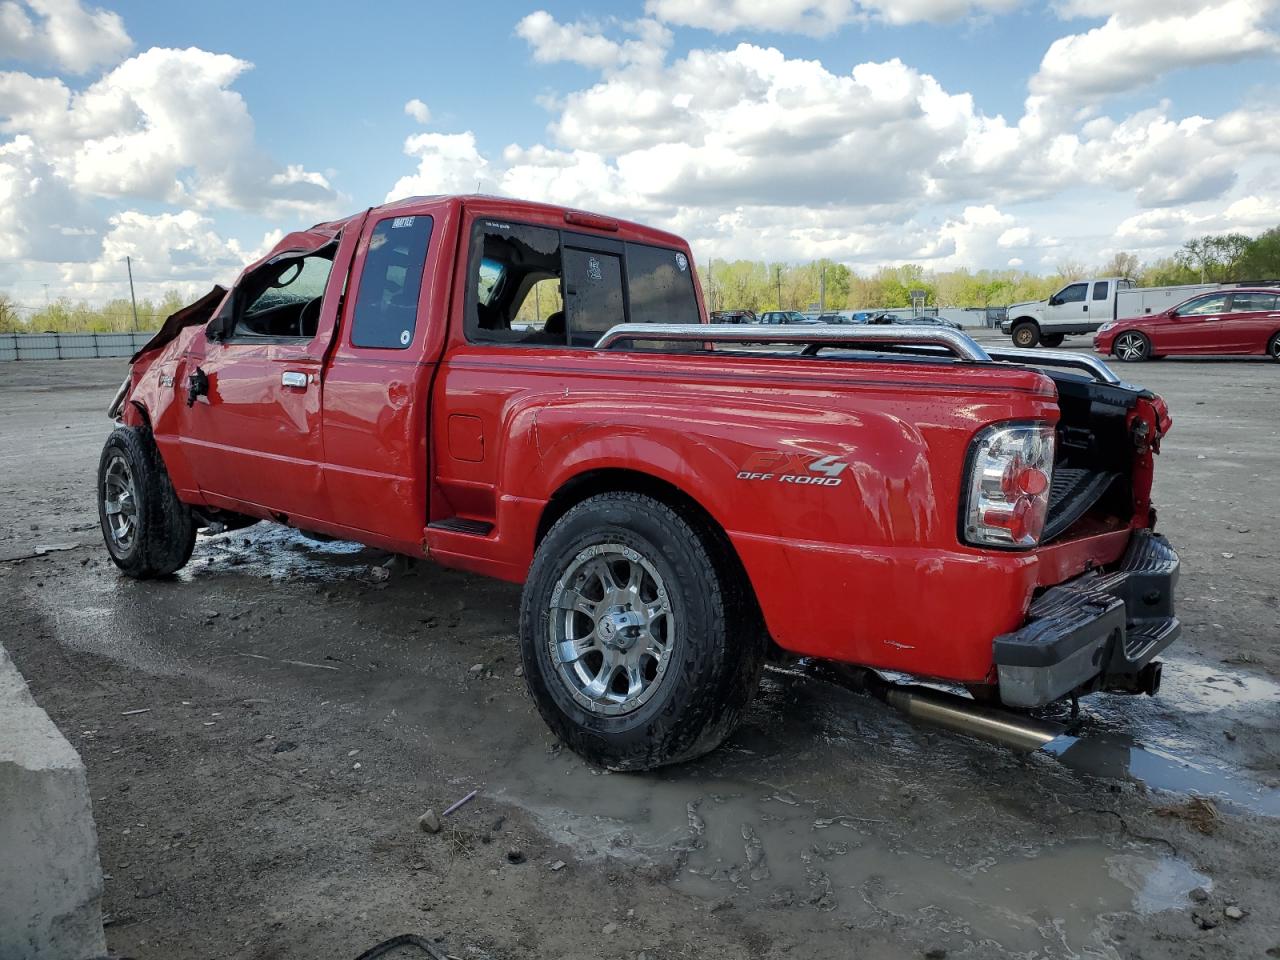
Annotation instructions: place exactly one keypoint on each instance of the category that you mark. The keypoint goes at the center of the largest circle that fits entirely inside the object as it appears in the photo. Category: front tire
(1273, 347)
(148, 531)
(1026, 335)
(1132, 347)
(641, 644)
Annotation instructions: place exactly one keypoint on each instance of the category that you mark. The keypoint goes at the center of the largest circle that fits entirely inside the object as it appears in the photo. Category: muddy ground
(301, 716)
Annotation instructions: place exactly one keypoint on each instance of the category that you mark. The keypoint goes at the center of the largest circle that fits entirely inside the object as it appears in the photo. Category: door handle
(293, 378)
(1085, 308)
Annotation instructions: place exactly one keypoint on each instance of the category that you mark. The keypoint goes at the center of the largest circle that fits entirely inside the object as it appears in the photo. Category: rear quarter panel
(868, 569)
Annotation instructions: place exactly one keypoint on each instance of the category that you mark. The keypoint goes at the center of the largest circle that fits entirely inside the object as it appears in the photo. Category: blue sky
(978, 133)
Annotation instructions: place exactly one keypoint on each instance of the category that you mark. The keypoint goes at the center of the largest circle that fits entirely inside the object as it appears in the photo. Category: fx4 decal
(802, 468)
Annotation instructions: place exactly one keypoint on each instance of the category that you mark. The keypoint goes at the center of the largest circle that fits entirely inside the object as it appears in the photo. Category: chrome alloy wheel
(120, 503)
(1275, 348)
(1131, 346)
(612, 629)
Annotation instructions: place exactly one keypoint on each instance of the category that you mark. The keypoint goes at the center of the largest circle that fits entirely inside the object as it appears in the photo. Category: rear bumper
(1099, 631)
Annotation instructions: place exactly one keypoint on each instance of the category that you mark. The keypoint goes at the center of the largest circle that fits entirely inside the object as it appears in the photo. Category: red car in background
(1239, 321)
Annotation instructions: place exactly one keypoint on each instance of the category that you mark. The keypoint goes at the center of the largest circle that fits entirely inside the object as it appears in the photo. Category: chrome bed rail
(1060, 358)
(959, 344)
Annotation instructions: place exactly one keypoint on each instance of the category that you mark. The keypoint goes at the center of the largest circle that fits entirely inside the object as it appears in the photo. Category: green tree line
(67, 316)
(758, 285)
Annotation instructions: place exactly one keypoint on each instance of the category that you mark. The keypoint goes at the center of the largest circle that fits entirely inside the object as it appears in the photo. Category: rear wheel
(1273, 348)
(149, 532)
(639, 643)
(1026, 335)
(1132, 347)
(1052, 340)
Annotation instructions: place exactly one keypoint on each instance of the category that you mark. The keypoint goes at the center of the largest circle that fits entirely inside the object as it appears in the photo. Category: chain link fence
(70, 346)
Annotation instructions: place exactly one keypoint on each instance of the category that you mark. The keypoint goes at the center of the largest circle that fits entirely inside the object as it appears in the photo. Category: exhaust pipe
(946, 710)
(964, 716)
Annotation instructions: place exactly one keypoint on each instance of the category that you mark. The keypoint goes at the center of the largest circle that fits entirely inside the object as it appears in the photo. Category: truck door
(1069, 307)
(378, 384)
(252, 430)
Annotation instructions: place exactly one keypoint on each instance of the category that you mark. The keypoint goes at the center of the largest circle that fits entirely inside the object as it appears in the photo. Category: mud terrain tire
(149, 532)
(714, 640)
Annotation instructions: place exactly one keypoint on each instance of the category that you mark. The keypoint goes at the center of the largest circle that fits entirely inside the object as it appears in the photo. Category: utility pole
(777, 276)
(129, 263)
(822, 287)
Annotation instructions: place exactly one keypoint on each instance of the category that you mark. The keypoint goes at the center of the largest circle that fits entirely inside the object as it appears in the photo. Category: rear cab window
(533, 285)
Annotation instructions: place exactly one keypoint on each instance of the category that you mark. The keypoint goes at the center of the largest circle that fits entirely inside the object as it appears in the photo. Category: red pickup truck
(533, 393)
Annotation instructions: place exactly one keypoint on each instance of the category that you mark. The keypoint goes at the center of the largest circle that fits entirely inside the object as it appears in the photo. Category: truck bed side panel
(839, 482)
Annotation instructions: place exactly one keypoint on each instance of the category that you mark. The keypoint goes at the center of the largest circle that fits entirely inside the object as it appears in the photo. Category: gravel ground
(302, 714)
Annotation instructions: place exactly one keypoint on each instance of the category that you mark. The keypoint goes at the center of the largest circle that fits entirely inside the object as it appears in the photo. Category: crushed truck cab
(534, 393)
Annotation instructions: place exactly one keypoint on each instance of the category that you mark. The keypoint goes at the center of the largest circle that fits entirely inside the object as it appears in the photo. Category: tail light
(1011, 471)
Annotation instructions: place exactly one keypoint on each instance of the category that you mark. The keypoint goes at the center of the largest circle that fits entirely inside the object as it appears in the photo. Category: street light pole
(129, 264)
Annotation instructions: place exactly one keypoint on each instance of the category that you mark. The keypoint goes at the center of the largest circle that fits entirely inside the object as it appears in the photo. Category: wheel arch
(598, 480)
(1013, 324)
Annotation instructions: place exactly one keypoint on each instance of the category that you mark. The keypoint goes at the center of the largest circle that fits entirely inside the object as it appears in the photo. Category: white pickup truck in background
(1084, 305)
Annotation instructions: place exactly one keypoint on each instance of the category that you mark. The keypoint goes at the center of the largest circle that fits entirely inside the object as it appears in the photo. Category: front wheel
(149, 532)
(641, 645)
(1273, 348)
(1132, 347)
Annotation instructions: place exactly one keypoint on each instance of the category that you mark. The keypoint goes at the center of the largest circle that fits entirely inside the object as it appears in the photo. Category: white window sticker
(402, 222)
(682, 262)
(593, 269)
(405, 337)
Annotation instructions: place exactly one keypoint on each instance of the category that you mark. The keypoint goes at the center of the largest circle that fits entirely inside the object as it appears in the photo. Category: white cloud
(1142, 41)
(814, 17)
(41, 217)
(165, 126)
(61, 33)
(418, 110)
(582, 43)
(749, 152)
(447, 163)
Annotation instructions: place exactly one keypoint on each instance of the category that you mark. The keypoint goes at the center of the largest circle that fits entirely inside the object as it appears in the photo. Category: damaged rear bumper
(1100, 631)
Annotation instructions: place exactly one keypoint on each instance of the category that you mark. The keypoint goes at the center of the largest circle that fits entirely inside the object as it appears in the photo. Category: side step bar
(472, 528)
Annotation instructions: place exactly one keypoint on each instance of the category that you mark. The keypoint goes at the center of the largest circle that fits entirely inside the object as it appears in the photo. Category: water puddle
(744, 845)
(1119, 758)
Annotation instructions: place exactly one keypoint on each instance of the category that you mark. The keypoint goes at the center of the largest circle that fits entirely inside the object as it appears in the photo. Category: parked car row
(839, 316)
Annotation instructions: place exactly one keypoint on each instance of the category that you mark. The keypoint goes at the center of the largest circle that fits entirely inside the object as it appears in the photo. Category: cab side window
(386, 307)
(532, 285)
(1073, 294)
(281, 299)
(1101, 289)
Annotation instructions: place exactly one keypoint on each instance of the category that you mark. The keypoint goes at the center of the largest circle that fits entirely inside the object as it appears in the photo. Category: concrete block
(50, 877)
